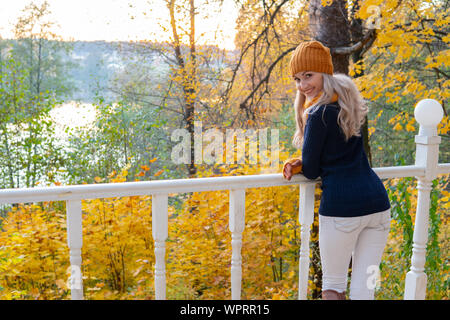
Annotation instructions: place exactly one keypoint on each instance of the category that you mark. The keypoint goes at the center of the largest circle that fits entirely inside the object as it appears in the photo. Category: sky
(113, 20)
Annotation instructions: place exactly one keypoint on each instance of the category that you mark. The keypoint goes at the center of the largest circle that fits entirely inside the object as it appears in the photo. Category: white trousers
(360, 238)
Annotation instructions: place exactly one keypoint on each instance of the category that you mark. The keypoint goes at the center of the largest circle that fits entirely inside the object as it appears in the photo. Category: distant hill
(97, 63)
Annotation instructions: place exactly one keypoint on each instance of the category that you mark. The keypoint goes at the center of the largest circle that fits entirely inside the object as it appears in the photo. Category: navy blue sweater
(350, 187)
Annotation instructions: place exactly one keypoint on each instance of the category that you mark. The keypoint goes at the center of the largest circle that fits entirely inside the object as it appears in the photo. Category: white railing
(428, 113)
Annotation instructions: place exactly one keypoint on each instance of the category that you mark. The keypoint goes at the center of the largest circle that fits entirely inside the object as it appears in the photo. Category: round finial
(428, 112)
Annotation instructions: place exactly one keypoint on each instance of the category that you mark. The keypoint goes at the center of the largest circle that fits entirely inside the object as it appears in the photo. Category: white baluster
(236, 225)
(428, 114)
(160, 232)
(75, 242)
(305, 218)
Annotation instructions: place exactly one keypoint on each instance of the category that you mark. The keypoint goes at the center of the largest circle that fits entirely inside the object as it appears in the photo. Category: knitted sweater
(350, 187)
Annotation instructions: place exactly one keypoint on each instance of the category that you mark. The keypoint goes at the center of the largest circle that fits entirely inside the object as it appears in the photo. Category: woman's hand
(292, 168)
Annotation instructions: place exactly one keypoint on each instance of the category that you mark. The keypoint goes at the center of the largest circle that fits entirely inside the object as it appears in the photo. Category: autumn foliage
(408, 61)
(118, 249)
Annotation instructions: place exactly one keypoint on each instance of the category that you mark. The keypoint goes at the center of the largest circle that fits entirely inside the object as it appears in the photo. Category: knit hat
(311, 56)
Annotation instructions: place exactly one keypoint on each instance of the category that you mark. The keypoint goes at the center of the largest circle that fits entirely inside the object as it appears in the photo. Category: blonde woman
(354, 212)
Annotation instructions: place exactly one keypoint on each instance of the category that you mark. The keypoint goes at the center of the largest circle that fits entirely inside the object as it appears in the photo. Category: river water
(72, 115)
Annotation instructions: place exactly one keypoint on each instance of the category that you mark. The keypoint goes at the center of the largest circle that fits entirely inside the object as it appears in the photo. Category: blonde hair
(351, 115)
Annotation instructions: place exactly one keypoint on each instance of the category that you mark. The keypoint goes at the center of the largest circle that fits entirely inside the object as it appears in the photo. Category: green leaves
(403, 197)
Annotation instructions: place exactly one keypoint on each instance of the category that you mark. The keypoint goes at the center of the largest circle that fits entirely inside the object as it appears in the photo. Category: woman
(354, 212)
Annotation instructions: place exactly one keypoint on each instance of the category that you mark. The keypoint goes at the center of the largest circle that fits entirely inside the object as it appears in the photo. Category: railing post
(428, 114)
(236, 225)
(305, 218)
(75, 242)
(160, 233)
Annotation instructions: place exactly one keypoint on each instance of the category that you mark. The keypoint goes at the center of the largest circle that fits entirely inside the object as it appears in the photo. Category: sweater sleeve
(313, 143)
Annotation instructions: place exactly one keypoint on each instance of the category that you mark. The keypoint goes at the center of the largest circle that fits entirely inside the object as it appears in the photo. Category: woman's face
(309, 83)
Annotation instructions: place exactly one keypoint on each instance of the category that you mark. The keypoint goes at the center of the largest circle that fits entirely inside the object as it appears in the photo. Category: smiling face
(309, 83)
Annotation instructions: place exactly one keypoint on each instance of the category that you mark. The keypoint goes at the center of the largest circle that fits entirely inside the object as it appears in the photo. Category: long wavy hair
(353, 107)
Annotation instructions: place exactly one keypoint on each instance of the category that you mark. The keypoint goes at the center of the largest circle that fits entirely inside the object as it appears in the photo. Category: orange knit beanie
(311, 56)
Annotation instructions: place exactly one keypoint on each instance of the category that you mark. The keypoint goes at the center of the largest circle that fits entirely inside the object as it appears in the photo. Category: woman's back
(350, 187)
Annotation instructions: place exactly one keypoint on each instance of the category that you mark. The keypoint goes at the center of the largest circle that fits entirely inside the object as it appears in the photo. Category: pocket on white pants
(347, 224)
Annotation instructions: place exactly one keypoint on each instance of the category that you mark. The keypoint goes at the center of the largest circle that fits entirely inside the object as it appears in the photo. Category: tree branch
(368, 38)
(243, 104)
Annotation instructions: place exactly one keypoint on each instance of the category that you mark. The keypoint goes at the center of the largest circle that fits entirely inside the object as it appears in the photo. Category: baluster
(236, 225)
(160, 232)
(75, 242)
(305, 218)
(428, 114)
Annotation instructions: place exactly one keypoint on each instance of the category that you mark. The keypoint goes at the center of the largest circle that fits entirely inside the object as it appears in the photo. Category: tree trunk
(329, 25)
(188, 72)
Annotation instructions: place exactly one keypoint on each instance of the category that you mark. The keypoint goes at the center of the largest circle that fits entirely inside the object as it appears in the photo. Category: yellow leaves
(146, 168)
(35, 293)
(404, 53)
(98, 179)
(356, 68)
(60, 283)
(277, 296)
(124, 172)
(326, 3)
(443, 202)
(413, 88)
(391, 36)
(398, 127)
(400, 68)
(446, 38)
(392, 97)
(369, 8)
(380, 113)
(118, 250)
(410, 128)
(441, 60)
(444, 126)
(403, 120)
(394, 119)
(33, 243)
(268, 232)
